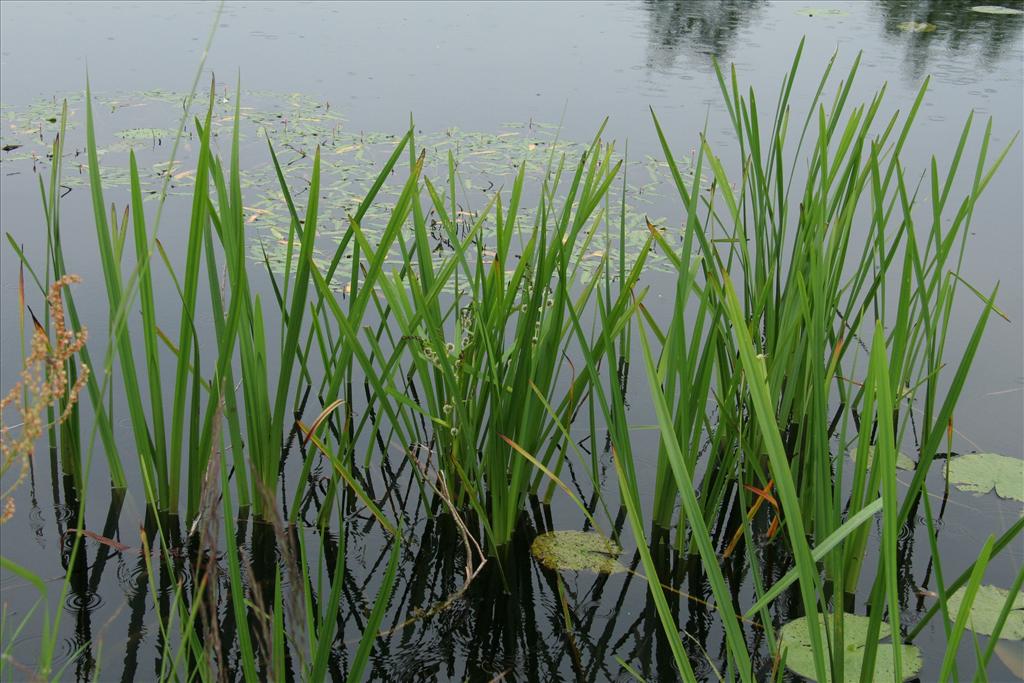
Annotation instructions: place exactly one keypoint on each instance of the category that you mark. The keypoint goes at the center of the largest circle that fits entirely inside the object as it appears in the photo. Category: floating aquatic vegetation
(915, 27)
(485, 162)
(795, 640)
(996, 9)
(903, 461)
(822, 12)
(577, 551)
(147, 134)
(986, 608)
(981, 473)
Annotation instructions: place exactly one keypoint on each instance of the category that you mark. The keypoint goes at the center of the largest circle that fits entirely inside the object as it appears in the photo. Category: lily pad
(795, 639)
(146, 133)
(821, 12)
(903, 461)
(577, 551)
(915, 27)
(988, 603)
(995, 9)
(486, 162)
(980, 473)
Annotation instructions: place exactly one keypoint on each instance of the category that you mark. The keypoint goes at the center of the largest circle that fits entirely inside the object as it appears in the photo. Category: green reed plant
(484, 335)
(777, 354)
(801, 287)
(488, 383)
(165, 433)
(162, 445)
(66, 440)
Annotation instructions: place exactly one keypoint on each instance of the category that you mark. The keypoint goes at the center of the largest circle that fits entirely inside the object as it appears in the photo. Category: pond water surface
(473, 73)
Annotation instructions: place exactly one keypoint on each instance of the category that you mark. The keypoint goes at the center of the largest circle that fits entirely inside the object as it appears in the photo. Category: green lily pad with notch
(795, 640)
(988, 604)
(981, 473)
(577, 551)
(998, 10)
(915, 27)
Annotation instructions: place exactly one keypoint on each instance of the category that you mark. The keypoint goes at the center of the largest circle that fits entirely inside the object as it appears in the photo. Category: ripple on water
(86, 600)
(64, 514)
(131, 576)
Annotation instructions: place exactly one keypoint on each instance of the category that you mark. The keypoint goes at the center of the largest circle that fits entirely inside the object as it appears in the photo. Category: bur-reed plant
(488, 334)
(773, 301)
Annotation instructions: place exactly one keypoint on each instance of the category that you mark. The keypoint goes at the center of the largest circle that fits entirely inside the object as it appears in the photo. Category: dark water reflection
(500, 62)
(516, 620)
(981, 39)
(702, 29)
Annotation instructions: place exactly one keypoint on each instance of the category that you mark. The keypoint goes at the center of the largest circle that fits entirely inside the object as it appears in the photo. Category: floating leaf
(988, 603)
(982, 472)
(903, 461)
(577, 551)
(486, 161)
(795, 639)
(915, 27)
(995, 9)
(145, 133)
(821, 12)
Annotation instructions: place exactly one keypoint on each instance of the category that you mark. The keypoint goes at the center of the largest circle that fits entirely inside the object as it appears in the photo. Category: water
(478, 68)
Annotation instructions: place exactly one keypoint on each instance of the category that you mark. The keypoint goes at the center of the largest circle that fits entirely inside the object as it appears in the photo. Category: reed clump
(474, 355)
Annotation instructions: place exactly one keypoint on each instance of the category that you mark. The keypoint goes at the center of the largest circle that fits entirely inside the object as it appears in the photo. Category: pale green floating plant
(577, 551)
(986, 608)
(981, 473)
(916, 27)
(903, 461)
(146, 133)
(996, 9)
(822, 12)
(795, 643)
